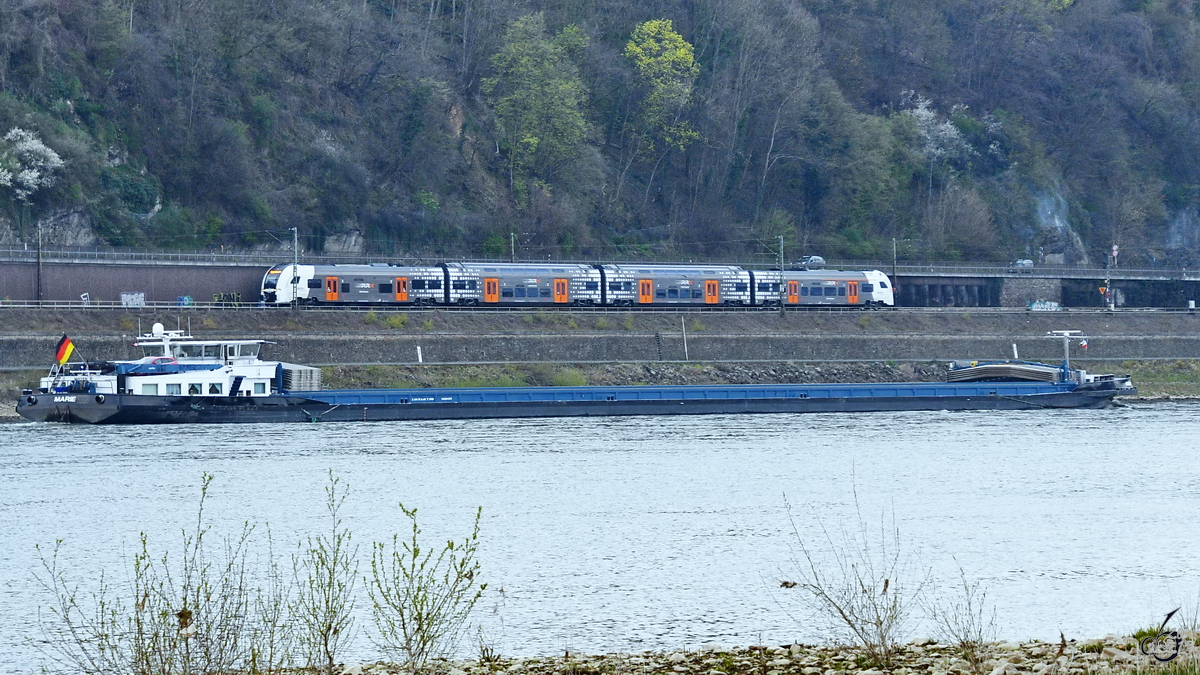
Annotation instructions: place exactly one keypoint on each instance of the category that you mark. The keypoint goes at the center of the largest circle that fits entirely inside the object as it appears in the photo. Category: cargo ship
(180, 379)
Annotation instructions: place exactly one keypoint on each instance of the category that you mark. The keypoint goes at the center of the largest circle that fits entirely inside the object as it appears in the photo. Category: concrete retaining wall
(37, 352)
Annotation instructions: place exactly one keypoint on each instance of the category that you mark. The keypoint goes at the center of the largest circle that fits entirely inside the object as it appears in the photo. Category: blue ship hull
(512, 402)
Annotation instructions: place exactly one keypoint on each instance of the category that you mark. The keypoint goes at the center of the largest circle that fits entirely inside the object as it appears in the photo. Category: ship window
(314, 283)
(152, 350)
(195, 389)
(418, 284)
(214, 388)
(260, 387)
(250, 350)
(519, 292)
(174, 389)
(591, 286)
(149, 390)
(385, 288)
(868, 288)
(212, 351)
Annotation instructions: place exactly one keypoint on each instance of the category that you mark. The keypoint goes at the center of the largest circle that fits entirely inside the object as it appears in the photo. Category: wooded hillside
(965, 129)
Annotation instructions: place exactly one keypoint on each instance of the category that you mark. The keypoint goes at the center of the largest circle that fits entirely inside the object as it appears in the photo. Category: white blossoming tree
(26, 164)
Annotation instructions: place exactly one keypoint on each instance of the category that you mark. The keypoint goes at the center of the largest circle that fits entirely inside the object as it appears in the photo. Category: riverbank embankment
(1113, 654)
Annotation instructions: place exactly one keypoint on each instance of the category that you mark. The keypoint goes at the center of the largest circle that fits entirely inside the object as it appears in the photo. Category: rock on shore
(921, 657)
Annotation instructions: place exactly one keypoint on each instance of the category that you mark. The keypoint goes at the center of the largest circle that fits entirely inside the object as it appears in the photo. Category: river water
(629, 534)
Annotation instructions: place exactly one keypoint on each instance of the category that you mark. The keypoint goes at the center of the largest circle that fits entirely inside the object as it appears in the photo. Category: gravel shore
(1111, 654)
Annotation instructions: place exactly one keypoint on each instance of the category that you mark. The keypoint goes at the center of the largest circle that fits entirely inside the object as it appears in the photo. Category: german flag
(65, 349)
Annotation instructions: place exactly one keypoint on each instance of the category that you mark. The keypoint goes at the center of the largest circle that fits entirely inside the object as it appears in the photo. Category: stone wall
(1019, 292)
(18, 352)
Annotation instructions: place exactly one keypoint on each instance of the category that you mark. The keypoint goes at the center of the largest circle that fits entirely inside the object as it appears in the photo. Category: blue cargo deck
(740, 392)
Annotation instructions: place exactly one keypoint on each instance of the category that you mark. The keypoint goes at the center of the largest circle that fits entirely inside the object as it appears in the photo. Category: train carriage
(379, 283)
(529, 283)
(642, 285)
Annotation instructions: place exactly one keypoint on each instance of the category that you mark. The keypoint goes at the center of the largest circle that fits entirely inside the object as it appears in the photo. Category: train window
(697, 293)
(385, 288)
(519, 292)
(174, 389)
(435, 284)
(764, 287)
(741, 287)
(459, 284)
(883, 284)
(660, 294)
(614, 285)
(271, 283)
(195, 389)
(545, 292)
(214, 388)
(506, 293)
(867, 288)
(345, 286)
(804, 290)
(418, 284)
(472, 285)
(841, 290)
(591, 286)
(672, 292)
(489, 269)
(557, 271)
(314, 283)
(830, 290)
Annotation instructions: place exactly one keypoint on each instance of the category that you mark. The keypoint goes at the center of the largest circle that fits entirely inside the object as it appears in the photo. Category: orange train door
(793, 292)
(401, 289)
(491, 290)
(560, 290)
(331, 289)
(853, 293)
(645, 291)
(712, 292)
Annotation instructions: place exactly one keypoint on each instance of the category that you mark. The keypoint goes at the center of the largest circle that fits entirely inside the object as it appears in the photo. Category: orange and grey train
(492, 284)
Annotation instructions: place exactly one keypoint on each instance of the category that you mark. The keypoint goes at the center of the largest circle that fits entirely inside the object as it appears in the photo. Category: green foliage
(569, 377)
(397, 321)
(538, 97)
(666, 67)
(371, 318)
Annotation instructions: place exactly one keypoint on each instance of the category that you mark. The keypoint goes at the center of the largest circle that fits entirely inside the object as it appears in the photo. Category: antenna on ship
(1066, 336)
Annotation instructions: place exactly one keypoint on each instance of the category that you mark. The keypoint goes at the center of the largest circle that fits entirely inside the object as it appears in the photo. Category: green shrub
(602, 323)
(628, 323)
(371, 318)
(397, 321)
(569, 377)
